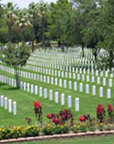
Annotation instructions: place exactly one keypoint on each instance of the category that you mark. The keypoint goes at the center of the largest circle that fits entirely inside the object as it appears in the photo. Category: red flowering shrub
(63, 116)
(82, 118)
(100, 113)
(38, 110)
(49, 116)
(110, 111)
(37, 104)
(56, 121)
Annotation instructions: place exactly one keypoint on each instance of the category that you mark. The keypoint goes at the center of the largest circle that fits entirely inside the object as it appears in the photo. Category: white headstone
(50, 95)
(74, 75)
(52, 80)
(56, 82)
(5, 103)
(10, 105)
(28, 87)
(48, 80)
(101, 91)
(75, 86)
(98, 80)
(104, 81)
(45, 93)
(78, 77)
(56, 97)
(108, 93)
(94, 90)
(70, 76)
(83, 77)
(2, 100)
(24, 85)
(69, 102)
(65, 84)
(14, 108)
(21, 85)
(40, 91)
(32, 88)
(62, 99)
(87, 78)
(81, 87)
(60, 82)
(93, 79)
(36, 89)
(44, 78)
(87, 88)
(110, 82)
(70, 85)
(76, 104)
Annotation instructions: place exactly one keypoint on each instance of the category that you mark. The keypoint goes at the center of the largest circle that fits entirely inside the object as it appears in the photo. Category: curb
(96, 133)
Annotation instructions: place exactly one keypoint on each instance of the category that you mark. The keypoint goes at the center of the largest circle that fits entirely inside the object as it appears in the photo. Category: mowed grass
(85, 140)
(25, 105)
(25, 100)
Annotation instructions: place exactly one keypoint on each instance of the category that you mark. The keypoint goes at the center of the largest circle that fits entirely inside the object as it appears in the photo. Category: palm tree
(34, 17)
(23, 20)
(42, 7)
(10, 17)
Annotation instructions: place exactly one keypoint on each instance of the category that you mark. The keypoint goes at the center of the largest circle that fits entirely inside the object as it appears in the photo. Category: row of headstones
(47, 78)
(44, 93)
(61, 73)
(36, 77)
(8, 104)
(60, 66)
(12, 82)
(64, 57)
(34, 89)
(26, 86)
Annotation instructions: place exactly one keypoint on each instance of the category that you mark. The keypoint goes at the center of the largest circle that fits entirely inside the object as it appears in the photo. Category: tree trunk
(62, 47)
(9, 34)
(32, 45)
(95, 54)
(111, 59)
(43, 29)
(82, 51)
(17, 79)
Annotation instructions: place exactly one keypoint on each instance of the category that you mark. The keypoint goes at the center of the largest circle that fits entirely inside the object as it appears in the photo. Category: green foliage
(15, 57)
(3, 35)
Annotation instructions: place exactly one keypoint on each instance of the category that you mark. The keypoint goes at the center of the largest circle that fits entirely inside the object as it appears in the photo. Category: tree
(33, 10)
(23, 20)
(59, 22)
(10, 17)
(42, 7)
(15, 57)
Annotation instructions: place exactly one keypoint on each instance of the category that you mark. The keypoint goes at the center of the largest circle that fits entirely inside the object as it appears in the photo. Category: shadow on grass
(13, 88)
(2, 84)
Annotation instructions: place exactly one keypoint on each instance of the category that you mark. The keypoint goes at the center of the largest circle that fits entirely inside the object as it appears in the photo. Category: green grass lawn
(86, 140)
(25, 100)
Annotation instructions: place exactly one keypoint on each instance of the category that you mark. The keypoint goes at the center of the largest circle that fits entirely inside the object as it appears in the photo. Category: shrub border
(72, 135)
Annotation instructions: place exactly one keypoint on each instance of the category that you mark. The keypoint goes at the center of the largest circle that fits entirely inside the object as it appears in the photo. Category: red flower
(82, 118)
(66, 111)
(56, 121)
(49, 116)
(109, 108)
(99, 109)
(37, 104)
(63, 117)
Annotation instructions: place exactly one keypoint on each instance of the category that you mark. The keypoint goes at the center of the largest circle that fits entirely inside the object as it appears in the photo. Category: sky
(24, 3)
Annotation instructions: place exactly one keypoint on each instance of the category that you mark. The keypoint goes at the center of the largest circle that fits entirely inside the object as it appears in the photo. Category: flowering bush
(38, 110)
(100, 113)
(61, 118)
(82, 118)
